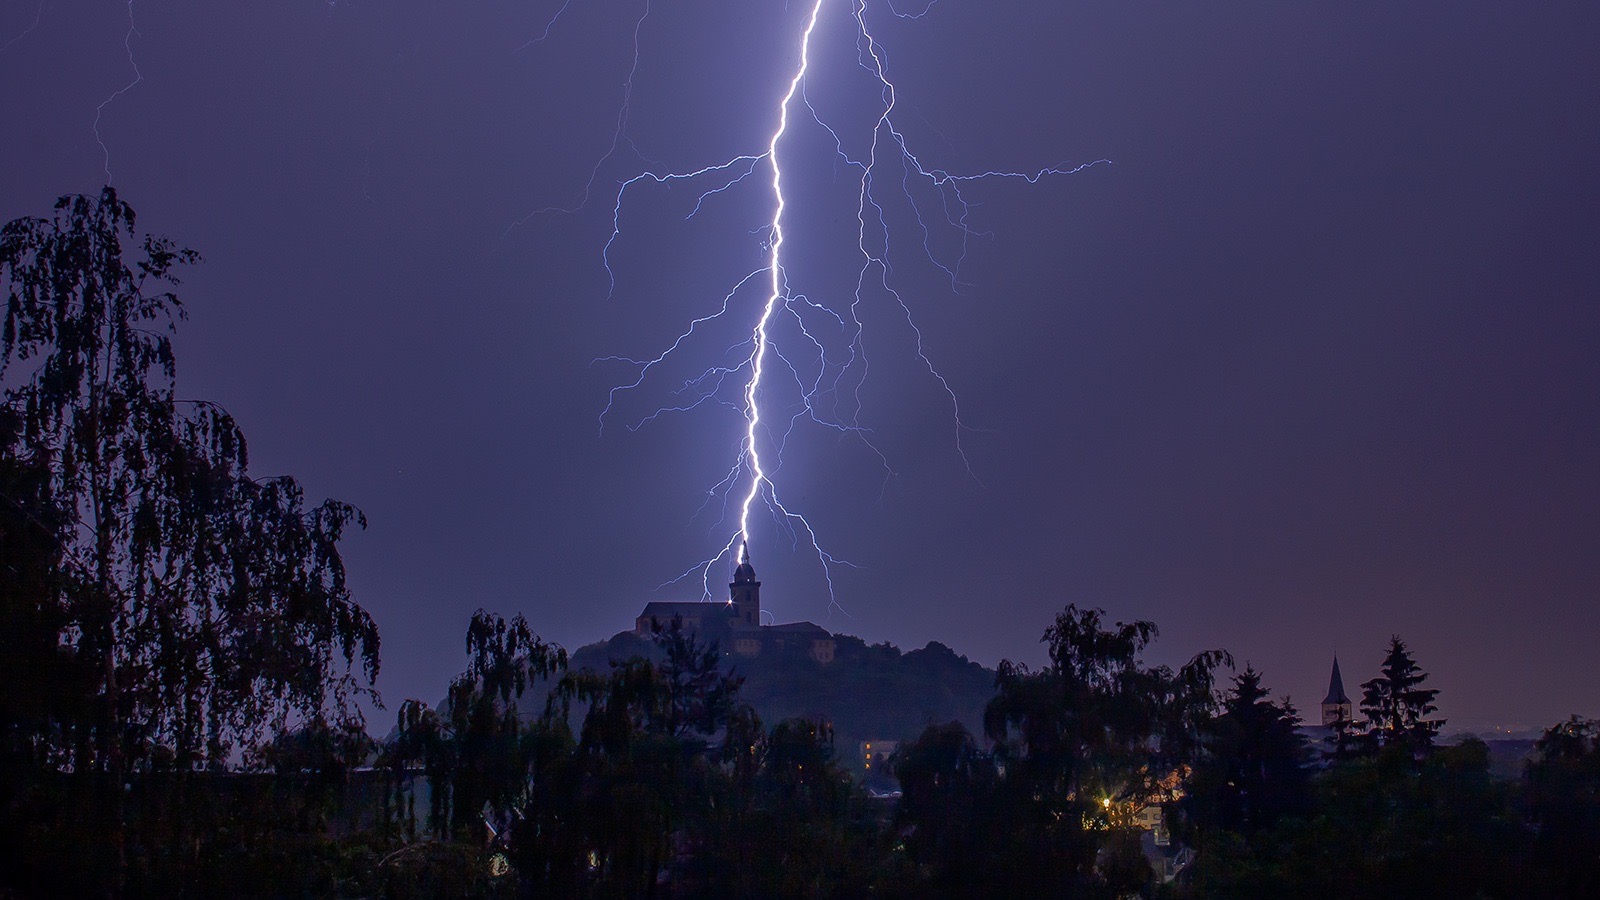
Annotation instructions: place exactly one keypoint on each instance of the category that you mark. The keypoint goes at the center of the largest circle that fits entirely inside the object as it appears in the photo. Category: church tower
(1336, 706)
(745, 591)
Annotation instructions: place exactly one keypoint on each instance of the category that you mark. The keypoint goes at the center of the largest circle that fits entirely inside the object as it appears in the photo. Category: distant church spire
(1336, 707)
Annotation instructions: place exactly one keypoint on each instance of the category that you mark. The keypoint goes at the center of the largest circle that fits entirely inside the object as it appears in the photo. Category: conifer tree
(1254, 769)
(1396, 705)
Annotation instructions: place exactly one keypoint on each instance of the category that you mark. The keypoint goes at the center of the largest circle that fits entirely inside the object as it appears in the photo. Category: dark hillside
(868, 692)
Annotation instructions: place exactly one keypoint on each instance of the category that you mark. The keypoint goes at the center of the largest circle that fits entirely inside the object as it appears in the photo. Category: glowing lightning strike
(758, 475)
(832, 362)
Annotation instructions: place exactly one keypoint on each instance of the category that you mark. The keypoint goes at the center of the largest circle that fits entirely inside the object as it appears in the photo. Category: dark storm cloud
(1313, 362)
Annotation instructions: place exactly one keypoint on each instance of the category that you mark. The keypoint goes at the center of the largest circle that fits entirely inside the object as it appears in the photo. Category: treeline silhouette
(182, 663)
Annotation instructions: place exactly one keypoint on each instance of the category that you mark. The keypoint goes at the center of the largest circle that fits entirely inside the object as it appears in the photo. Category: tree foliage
(1254, 768)
(1396, 706)
(950, 809)
(478, 756)
(667, 784)
(1084, 743)
(193, 611)
(1562, 797)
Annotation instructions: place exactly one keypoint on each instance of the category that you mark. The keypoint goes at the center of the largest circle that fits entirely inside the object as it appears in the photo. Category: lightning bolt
(752, 408)
(138, 76)
(548, 26)
(37, 15)
(99, 111)
(826, 369)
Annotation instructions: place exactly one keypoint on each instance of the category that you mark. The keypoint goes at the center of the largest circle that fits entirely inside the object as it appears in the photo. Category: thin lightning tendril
(548, 26)
(37, 15)
(827, 383)
(138, 77)
(618, 137)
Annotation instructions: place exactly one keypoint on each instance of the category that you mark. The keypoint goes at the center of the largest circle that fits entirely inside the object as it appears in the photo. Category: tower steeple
(1336, 706)
(745, 591)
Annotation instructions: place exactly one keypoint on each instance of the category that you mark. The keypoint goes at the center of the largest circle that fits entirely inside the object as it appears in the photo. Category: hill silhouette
(868, 691)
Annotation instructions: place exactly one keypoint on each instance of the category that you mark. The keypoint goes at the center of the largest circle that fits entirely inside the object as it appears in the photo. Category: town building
(875, 755)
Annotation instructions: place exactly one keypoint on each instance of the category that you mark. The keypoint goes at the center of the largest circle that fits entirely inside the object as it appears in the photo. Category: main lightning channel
(758, 475)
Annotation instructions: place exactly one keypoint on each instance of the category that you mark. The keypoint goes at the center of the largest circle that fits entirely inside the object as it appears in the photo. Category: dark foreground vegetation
(181, 664)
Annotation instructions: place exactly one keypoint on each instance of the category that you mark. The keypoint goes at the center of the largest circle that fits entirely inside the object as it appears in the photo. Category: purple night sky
(1315, 360)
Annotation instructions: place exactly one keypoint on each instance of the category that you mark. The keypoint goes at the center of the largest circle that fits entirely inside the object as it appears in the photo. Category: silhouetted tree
(804, 828)
(1396, 826)
(496, 753)
(697, 696)
(1254, 767)
(1383, 826)
(1396, 706)
(1562, 796)
(312, 764)
(1085, 741)
(47, 690)
(211, 608)
(612, 814)
(673, 787)
(420, 745)
(948, 817)
(1393, 816)
(479, 757)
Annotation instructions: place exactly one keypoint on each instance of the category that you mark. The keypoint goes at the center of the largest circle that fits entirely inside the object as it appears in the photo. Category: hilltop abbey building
(736, 624)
